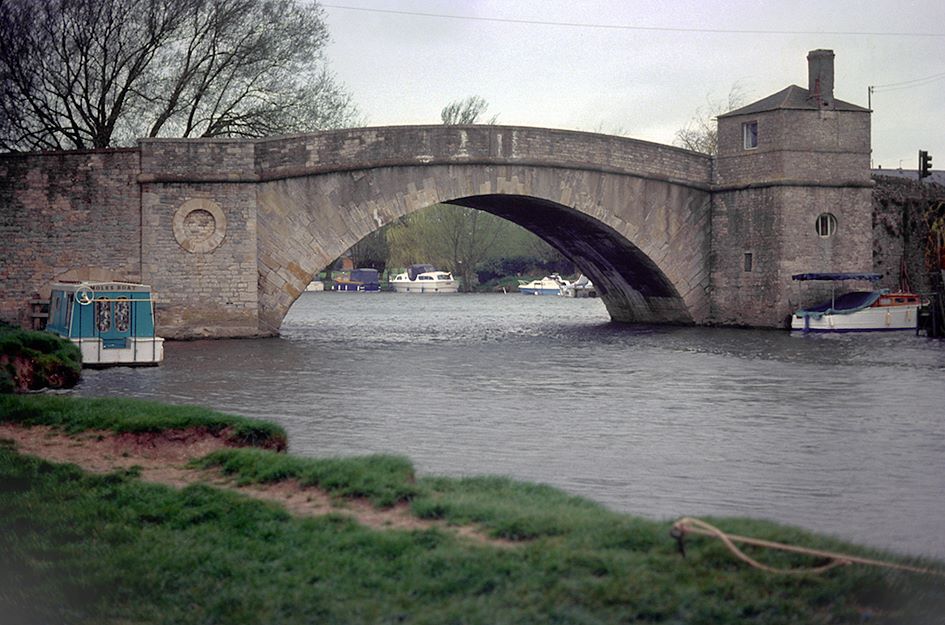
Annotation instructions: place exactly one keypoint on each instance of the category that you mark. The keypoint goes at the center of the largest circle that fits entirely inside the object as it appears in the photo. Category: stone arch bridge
(229, 232)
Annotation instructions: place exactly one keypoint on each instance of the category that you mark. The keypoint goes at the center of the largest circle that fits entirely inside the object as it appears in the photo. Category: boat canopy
(415, 270)
(872, 277)
(843, 304)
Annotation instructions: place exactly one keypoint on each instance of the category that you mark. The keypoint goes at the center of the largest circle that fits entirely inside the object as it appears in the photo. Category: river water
(840, 434)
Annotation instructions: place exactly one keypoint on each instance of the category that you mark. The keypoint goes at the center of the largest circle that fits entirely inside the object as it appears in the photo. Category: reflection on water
(841, 434)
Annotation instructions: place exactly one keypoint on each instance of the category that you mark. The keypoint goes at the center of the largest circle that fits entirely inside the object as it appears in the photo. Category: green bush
(45, 360)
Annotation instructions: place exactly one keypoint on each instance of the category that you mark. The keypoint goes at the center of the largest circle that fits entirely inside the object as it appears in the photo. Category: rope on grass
(689, 525)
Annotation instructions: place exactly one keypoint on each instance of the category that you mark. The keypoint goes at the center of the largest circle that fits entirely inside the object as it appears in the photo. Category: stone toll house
(229, 231)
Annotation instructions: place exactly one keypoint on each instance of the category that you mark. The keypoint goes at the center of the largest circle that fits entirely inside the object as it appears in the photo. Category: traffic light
(925, 164)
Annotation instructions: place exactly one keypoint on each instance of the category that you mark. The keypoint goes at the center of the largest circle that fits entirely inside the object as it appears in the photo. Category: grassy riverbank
(81, 548)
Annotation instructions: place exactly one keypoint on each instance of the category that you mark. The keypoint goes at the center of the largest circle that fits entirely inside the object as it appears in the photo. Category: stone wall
(796, 145)
(902, 209)
(766, 204)
(199, 236)
(71, 214)
(365, 148)
(229, 232)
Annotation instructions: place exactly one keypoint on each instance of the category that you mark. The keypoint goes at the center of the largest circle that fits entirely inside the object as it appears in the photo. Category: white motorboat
(858, 311)
(582, 287)
(422, 278)
(549, 285)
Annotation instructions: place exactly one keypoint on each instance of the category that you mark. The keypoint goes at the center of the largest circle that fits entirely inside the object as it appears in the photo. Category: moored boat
(112, 323)
(423, 278)
(361, 280)
(549, 285)
(858, 311)
(582, 287)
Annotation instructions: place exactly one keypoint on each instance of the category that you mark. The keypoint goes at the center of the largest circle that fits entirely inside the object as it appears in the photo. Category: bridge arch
(642, 238)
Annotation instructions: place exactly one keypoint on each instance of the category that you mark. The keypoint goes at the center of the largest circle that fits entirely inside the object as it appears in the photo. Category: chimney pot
(820, 76)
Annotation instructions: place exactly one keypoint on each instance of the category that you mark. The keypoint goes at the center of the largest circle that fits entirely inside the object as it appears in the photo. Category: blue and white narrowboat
(360, 280)
(111, 322)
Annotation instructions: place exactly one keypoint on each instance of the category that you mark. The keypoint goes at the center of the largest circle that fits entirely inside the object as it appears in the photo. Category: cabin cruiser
(112, 323)
(857, 311)
(549, 285)
(423, 278)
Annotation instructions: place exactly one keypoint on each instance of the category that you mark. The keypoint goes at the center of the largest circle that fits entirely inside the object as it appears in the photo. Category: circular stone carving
(199, 225)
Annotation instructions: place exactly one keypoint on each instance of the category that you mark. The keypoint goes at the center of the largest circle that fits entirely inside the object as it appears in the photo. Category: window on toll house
(826, 225)
(750, 135)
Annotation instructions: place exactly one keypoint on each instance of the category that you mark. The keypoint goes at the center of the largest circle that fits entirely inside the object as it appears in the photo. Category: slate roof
(792, 97)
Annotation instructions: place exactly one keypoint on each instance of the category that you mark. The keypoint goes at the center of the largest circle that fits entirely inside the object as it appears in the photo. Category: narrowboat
(858, 311)
(111, 322)
(360, 280)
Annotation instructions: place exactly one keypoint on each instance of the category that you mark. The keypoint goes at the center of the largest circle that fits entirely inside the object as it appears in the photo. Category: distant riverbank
(358, 540)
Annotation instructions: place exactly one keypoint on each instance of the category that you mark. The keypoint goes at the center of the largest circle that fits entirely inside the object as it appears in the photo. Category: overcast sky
(648, 73)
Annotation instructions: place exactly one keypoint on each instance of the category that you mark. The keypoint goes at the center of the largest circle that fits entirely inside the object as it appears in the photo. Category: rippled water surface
(839, 434)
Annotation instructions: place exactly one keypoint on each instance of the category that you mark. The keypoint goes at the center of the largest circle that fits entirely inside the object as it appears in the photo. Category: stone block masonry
(229, 232)
(71, 214)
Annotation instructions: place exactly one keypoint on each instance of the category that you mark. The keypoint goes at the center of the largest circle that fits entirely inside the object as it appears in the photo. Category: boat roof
(100, 286)
(872, 277)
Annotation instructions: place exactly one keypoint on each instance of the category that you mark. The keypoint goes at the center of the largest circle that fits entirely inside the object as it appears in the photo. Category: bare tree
(98, 73)
(701, 134)
(466, 111)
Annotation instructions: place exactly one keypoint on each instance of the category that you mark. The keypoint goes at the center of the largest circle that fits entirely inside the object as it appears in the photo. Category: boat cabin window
(103, 316)
(425, 277)
(826, 225)
(122, 314)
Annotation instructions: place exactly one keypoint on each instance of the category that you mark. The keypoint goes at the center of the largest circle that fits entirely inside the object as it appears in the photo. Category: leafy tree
(454, 238)
(371, 251)
(466, 111)
(96, 73)
(701, 133)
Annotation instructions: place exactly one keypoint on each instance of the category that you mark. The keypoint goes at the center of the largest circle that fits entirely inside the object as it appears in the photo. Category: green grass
(76, 548)
(385, 480)
(55, 362)
(77, 414)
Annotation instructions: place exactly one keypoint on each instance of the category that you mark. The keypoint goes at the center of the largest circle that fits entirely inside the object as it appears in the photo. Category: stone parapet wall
(170, 160)
(364, 148)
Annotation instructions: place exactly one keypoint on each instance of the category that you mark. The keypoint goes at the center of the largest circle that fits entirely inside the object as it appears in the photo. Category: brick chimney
(820, 76)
